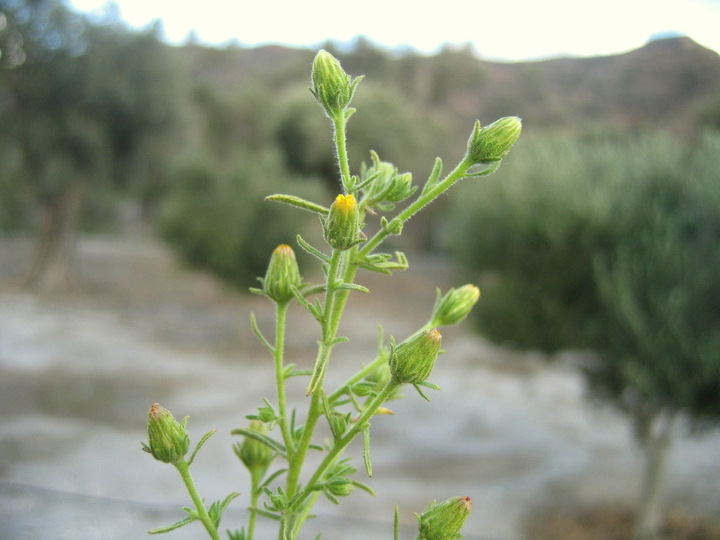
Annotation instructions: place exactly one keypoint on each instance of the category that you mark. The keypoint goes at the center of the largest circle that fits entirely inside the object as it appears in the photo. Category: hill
(666, 82)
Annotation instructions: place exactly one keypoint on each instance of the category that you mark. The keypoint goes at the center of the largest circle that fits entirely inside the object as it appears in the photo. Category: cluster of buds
(444, 520)
(491, 143)
(282, 275)
(331, 86)
(168, 439)
(413, 360)
(341, 228)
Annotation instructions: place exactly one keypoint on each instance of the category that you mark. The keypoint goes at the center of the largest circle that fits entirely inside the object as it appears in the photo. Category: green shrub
(220, 221)
(608, 243)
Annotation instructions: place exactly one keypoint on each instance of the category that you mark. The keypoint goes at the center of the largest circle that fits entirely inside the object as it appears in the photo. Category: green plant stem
(256, 475)
(340, 444)
(457, 173)
(280, 375)
(339, 137)
(184, 470)
(315, 408)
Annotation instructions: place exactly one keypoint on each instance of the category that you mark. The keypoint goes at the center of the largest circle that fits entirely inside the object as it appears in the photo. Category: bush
(220, 221)
(608, 243)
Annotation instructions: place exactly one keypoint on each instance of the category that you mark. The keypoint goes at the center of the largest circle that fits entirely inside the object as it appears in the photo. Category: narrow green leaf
(298, 202)
(366, 448)
(199, 445)
(312, 250)
(396, 527)
(491, 169)
(364, 487)
(314, 309)
(174, 526)
(351, 287)
(278, 447)
(258, 333)
(434, 176)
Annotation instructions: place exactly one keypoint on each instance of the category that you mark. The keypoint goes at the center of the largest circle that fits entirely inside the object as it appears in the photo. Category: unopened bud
(454, 306)
(331, 86)
(388, 186)
(168, 440)
(339, 487)
(282, 275)
(493, 142)
(413, 360)
(444, 520)
(253, 453)
(342, 226)
(338, 423)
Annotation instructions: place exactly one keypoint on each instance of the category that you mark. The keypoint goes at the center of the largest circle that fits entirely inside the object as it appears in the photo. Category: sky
(507, 30)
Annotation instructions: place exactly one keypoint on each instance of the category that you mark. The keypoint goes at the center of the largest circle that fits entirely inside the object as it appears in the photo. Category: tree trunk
(654, 431)
(55, 246)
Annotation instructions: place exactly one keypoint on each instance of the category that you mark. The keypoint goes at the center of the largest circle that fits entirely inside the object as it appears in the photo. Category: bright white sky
(499, 29)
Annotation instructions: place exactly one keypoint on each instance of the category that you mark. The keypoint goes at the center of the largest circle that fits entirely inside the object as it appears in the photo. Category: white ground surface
(79, 370)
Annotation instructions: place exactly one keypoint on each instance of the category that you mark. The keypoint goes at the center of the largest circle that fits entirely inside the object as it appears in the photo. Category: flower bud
(282, 275)
(454, 306)
(253, 453)
(342, 226)
(168, 440)
(493, 142)
(443, 521)
(413, 360)
(331, 86)
(338, 423)
(339, 487)
(388, 186)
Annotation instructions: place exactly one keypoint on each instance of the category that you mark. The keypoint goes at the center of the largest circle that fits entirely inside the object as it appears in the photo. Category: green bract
(413, 360)
(168, 440)
(492, 143)
(444, 520)
(454, 306)
(331, 86)
(282, 274)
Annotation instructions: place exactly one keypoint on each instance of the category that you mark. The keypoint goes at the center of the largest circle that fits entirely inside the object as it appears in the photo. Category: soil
(513, 430)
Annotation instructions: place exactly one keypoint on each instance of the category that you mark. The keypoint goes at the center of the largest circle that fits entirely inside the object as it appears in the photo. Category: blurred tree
(609, 244)
(81, 107)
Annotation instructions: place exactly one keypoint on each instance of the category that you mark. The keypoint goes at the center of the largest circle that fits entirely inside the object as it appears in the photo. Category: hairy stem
(184, 470)
(340, 444)
(341, 149)
(280, 375)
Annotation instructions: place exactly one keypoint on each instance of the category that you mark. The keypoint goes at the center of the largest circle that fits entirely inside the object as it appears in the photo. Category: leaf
(199, 445)
(351, 287)
(217, 508)
(278, 447)
(174, 526)
(312, 250)
(366, 448)
(258, 333)
(434, 176)
(298, 202)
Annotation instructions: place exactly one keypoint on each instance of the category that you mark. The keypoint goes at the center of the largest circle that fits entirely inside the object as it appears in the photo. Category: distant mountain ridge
(666, 82)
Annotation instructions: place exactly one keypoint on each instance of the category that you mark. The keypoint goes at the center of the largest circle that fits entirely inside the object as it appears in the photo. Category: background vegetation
(600, 232)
